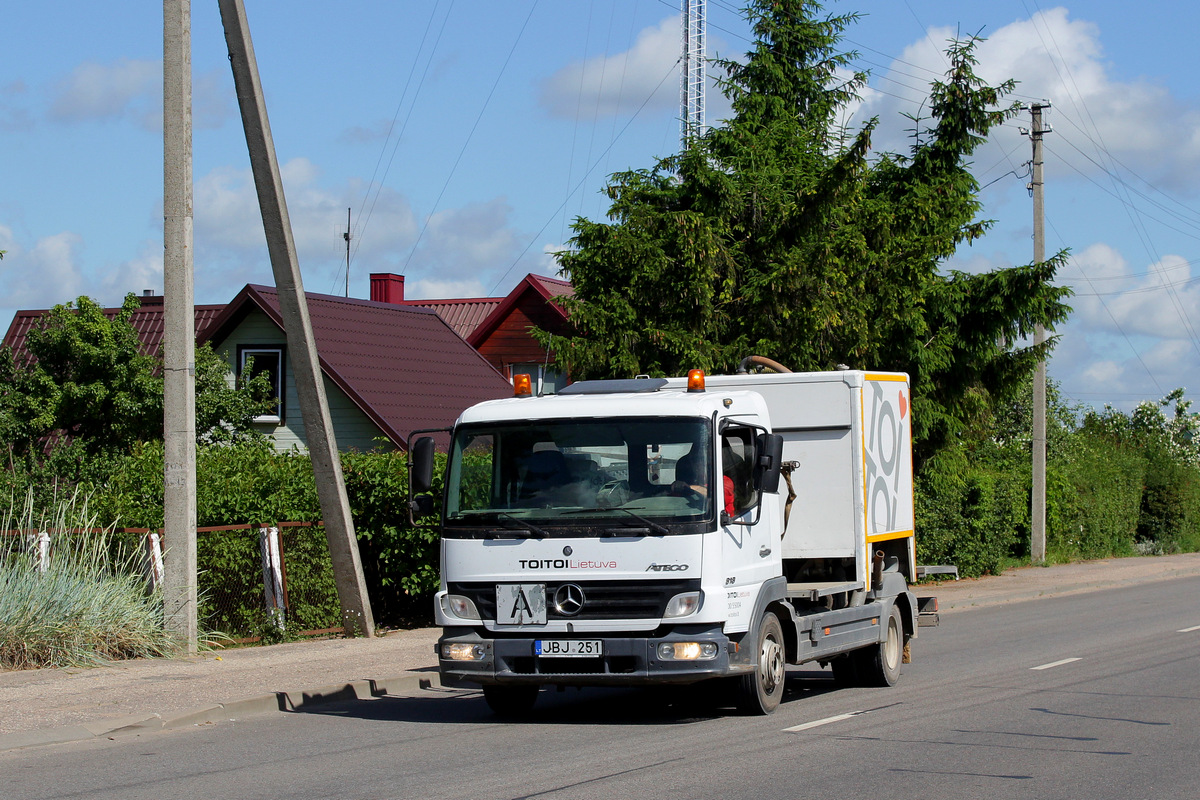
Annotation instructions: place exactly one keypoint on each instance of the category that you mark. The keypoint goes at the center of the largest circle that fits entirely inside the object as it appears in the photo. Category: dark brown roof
(547, 288)
(147, 321)
(402, 365)
(463, 315)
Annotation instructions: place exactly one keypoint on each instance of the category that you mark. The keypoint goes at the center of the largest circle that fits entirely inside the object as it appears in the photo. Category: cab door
(749, 551)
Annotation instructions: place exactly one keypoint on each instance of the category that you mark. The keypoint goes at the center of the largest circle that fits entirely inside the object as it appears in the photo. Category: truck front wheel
(510, 701)
(759, 692)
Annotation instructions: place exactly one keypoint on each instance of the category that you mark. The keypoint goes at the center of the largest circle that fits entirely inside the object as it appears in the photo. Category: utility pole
(1037, 543)
(691, 72)
(293, 307)
(179, 329)
(346, 236)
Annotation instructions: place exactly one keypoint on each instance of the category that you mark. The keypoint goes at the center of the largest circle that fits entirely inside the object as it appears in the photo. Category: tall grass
(90, 604)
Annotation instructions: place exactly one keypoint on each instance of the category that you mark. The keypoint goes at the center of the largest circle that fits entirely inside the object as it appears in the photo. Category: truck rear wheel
(879, 665)
(510, 701)
(759, 692)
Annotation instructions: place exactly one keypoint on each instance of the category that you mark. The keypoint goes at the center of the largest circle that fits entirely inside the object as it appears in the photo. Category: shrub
(89, 605)
(1094, 492)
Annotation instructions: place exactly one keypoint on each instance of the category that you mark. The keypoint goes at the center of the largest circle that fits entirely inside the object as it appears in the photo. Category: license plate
(569, 648)
(520, 604)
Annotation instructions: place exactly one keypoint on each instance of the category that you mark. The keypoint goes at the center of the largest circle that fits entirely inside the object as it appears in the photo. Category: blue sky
(465, 136)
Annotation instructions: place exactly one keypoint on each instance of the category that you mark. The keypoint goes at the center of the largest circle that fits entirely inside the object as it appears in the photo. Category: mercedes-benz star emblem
(568, 600)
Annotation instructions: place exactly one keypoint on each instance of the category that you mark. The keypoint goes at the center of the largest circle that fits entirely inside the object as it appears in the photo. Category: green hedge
(252, 484)
(972, 515)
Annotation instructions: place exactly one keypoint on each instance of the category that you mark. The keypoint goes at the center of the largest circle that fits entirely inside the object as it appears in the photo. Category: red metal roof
(463, 315)
(552, 287)
(548, 288)
(402, 365)
(147, 321)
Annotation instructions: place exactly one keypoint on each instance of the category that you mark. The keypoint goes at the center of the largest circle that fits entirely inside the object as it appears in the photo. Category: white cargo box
(851, 432)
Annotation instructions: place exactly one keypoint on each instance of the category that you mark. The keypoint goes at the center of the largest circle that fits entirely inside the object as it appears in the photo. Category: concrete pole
(302, 348)
(1037, 544)
(179, 328)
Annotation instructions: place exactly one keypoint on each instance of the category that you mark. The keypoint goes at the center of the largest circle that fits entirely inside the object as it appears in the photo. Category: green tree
(225, 409)
(781, 234)
(89, 381)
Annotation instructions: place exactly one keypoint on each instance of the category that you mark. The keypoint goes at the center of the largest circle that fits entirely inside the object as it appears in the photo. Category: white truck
(653, 531)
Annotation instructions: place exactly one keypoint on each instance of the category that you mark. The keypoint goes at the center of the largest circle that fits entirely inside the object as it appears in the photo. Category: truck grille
(602, 599)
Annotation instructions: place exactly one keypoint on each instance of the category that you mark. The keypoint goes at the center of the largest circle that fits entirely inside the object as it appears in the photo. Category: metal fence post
(268, 541)
(154, 560)
(43, 551)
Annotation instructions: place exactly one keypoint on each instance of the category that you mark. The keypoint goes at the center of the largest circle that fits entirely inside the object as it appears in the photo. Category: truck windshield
(641, 472)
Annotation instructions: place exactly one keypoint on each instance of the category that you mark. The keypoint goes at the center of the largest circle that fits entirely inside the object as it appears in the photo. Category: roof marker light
(695, 380)
(522, 385)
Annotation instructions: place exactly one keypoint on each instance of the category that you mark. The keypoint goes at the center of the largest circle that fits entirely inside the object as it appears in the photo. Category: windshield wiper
(650, 525)
(529, 526)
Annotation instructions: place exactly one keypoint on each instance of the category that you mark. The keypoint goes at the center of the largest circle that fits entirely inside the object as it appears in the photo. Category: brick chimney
(387, 288)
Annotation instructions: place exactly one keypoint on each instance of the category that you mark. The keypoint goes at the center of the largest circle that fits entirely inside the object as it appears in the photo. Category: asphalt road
(1093, 696)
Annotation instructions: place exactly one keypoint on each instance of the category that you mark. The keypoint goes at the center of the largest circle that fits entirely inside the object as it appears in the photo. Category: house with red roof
(499, 327)
(391, 365)
(389, 369)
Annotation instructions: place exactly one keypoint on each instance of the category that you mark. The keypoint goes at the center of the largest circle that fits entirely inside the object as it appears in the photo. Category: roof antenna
(346, 236)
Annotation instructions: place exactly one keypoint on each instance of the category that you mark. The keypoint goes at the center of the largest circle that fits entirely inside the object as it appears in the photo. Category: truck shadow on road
(660, 705)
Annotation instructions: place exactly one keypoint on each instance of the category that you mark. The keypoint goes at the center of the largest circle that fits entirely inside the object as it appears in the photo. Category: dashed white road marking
(1189, 630)
(1054, 664)
(819, 722)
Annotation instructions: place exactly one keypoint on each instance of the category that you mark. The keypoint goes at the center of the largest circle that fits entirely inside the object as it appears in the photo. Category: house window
(546, 378)
(254, 360)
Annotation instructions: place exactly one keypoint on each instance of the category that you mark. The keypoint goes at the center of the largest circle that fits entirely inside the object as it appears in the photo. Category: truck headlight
(687, 651)
(682, 604)
(455, 605)
(463, 651)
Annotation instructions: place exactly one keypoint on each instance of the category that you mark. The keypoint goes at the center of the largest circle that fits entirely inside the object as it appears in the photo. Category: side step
(927, 612)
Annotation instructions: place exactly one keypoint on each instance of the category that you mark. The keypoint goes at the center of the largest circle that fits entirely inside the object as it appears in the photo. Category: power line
(470, 133)
(582, 180)
(404, 126)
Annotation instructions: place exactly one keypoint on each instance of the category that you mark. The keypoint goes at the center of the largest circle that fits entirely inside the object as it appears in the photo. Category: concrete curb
(296, 701)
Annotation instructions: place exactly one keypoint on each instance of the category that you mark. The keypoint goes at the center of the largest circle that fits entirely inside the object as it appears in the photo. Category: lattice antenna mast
(691, 73)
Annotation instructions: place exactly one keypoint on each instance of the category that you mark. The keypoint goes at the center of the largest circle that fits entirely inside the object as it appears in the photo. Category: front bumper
(627, 660)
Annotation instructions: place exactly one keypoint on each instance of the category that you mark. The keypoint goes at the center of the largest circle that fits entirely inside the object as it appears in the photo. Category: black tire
(760, 691)
(879, 665)
(510, 701)
(845, 670)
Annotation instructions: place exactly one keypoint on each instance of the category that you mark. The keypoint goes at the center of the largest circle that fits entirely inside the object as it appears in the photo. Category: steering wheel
(613, 494)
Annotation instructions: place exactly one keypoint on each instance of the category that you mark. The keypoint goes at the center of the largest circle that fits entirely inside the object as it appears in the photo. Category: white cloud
(128, 89)
(463, 241)
(458, 248)
(14, 117)
(1052, 56)
(1162, 300)
(145, 271)
(617, 84)
(213, 100)
(43, 275)
(431, 289)
(125, 88)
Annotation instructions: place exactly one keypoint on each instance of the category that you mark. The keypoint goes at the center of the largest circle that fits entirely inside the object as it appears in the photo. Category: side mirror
(421, 505)
(770, 461)
(420, 466)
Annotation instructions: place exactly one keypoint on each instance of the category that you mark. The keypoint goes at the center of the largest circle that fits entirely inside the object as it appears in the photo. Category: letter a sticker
(521, 609)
